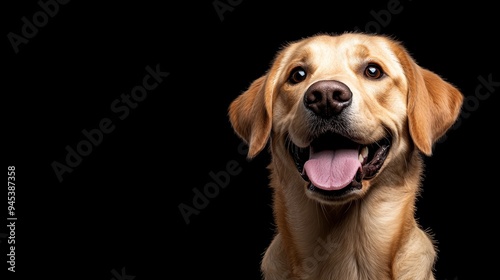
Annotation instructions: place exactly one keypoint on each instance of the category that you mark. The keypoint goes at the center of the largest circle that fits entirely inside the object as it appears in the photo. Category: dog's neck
(316, 233)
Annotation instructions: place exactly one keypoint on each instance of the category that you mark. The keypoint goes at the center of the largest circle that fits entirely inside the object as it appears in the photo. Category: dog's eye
(373, 71)
(297, 75)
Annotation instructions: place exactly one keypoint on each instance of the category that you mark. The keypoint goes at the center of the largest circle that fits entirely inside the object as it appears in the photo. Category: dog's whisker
(324, 211)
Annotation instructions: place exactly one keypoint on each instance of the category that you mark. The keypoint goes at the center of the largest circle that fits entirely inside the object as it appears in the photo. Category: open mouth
(335, 165)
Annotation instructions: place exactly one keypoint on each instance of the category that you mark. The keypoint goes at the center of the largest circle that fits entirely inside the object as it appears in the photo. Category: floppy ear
(433, 105)
(251, 112)
(250, 115)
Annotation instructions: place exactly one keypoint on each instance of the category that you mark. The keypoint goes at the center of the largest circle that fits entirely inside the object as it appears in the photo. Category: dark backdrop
(72, 69)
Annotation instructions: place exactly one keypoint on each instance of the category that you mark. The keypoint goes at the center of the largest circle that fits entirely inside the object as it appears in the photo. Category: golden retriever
(347, 119)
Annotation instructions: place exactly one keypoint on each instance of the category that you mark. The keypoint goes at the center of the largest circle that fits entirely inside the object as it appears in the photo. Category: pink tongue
(332, 169)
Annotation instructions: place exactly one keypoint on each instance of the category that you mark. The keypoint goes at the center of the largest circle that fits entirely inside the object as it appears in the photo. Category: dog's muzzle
(334, 164)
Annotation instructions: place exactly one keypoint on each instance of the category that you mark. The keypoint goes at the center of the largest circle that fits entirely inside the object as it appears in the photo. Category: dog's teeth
(360, 158)
(364, 152)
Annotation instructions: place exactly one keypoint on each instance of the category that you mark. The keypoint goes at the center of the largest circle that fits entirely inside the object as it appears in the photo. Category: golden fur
(366, 233)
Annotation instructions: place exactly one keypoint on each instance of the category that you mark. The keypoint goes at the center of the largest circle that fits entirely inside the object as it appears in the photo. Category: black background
(117, 212)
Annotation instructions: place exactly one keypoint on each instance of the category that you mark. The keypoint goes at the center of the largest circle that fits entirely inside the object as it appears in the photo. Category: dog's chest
(343, 248)
(345, 256)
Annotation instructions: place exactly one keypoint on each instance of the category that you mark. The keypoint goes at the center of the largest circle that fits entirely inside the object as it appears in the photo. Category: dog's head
(340, 108)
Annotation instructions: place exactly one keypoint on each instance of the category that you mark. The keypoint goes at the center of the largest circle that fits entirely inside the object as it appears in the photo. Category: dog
(347, 119)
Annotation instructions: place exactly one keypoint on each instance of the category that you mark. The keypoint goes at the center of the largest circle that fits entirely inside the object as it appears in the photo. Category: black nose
(327, 98)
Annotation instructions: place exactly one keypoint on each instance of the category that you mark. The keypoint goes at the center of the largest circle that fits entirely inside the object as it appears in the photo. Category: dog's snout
(327, 98)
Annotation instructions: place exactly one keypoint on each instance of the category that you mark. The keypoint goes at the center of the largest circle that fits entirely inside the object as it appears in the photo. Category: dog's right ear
(251, 115)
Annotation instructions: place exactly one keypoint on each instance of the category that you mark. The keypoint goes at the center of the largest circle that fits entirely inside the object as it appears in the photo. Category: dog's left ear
(433, 104)
(251, 112)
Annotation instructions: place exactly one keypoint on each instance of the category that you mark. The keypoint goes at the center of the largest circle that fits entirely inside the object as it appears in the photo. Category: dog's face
(342, 109)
